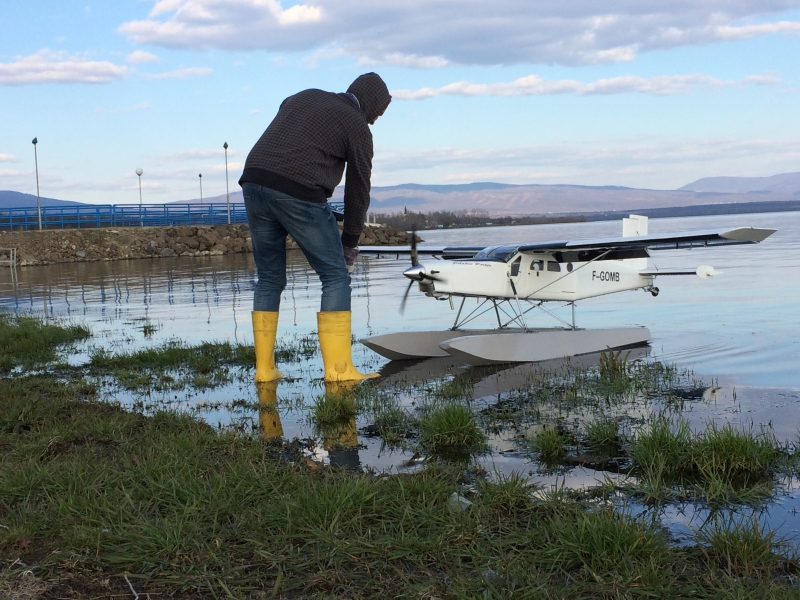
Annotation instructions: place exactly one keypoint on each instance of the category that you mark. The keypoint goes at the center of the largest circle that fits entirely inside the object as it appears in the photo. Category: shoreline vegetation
(97, 501)
(410, 220)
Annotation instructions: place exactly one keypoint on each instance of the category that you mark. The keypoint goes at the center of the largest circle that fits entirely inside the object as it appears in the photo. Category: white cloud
(181, 73)
(255, 111)
(7, 157)
(533, 85)
(47, 66)
(222, 23)
(442, 32)
(406, 60)
(140, 56)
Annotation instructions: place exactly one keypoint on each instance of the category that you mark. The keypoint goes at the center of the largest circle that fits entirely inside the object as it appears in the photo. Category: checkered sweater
(304, 150)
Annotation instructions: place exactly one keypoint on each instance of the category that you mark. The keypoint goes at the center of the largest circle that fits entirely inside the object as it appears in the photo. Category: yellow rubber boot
(268, 415)
(334, 343)
(265, 327)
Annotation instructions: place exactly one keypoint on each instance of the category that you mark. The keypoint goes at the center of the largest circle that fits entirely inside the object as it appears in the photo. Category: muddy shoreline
(122, 243)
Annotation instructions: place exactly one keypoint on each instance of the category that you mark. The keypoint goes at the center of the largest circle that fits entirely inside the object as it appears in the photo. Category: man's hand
(350, 255)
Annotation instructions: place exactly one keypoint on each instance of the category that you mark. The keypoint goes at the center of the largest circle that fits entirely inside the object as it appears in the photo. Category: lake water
(739, 330)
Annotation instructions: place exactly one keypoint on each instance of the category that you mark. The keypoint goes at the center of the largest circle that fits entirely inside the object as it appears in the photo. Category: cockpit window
(498, 253)
(515, 266)
(553, 266)
(537, 265)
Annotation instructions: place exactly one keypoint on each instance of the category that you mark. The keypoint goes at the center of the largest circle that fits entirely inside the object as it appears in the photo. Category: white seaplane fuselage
(533, 277)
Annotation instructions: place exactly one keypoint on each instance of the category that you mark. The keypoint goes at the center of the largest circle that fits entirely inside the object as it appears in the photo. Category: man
(288, 177)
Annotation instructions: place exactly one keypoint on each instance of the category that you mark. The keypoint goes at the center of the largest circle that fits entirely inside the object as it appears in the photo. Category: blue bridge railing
(124, 215)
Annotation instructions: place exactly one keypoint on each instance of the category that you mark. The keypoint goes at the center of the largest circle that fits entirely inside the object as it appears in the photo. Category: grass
(741, 549)
(603, 432)
(28, 342)
(550, 443)
(720, 464)
(449, 429)
(91, 494)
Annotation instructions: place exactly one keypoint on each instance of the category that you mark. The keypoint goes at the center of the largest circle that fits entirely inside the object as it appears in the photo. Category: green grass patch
(449, 429)
(603, 432)
(550, 443)
(720, 464)
(29, 342)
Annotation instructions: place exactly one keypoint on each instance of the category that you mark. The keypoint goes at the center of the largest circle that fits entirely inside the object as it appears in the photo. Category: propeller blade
(405, 297)
(414, 257)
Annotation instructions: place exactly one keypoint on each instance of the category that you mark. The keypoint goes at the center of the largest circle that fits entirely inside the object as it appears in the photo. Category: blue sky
(645, 94)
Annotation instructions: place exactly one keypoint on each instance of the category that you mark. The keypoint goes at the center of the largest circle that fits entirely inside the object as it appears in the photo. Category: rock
(167, 252)
(80, 254)
(189, 242)
(458, 502)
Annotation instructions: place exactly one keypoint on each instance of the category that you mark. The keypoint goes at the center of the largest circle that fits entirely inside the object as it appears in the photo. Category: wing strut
(599, 257)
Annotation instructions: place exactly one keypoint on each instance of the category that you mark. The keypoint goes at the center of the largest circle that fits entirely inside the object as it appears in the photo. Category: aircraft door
(548, 279)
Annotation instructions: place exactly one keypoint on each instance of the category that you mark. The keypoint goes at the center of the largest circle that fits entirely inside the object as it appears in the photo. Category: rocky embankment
(82, 245)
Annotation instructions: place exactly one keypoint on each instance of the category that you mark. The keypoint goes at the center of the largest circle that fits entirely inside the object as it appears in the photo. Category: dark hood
(372, 94)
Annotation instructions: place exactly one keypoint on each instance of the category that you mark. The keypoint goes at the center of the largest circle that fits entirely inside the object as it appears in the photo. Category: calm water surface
(740, 330)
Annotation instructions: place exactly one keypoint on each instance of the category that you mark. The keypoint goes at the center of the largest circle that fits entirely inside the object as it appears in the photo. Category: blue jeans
(272, 215)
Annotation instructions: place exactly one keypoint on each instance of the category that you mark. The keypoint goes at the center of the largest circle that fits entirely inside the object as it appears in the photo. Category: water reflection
(268, 415)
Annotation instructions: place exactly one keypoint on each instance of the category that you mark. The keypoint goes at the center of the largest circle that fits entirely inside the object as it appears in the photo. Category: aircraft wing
(659, 241)
(447, 252)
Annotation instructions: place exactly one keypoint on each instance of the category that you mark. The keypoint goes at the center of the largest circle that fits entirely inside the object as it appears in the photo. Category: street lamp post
(200, 175)
(139, 173)
(227, 189)
(38, 198)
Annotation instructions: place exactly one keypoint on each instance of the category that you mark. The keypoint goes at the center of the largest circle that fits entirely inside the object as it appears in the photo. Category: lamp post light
(227, 189)
(35, 141)
(139, 173)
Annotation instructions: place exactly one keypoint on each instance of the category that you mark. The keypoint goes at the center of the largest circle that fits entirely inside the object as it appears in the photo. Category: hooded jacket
(304, 150)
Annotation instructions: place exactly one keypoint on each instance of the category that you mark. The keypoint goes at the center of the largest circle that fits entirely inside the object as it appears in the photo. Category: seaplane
(514, 279)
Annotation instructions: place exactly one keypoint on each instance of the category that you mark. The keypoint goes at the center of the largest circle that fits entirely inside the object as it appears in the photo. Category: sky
(642, 93)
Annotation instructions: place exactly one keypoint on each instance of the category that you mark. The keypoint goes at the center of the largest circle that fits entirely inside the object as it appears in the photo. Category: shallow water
(739, 330)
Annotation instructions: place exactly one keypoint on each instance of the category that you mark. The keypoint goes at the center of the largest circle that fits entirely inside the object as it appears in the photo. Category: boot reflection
(268, 415)
(341, 440)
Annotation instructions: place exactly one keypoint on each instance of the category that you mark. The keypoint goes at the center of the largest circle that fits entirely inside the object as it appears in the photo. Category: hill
(9, 199)
(710, 195)
(785, 183)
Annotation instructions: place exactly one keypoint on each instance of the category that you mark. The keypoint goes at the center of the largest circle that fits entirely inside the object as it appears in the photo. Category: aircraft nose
(416, 273)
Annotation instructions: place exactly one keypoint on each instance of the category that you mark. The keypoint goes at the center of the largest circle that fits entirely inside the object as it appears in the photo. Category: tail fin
(631, 227)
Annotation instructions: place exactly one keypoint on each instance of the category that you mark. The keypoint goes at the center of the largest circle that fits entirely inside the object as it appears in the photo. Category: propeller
(416, 273)
(414, 263)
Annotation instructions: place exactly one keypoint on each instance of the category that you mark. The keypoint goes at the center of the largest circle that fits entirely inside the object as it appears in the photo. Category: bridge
(89, 216)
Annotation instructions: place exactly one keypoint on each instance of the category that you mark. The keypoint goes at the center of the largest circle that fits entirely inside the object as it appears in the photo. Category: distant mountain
(785, 183)
(504, 199)
(9, 199)
(236, 196)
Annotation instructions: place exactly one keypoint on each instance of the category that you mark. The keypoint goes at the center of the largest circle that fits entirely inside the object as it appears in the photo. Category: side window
(537, 265)
(553, 266)
(515, 266)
